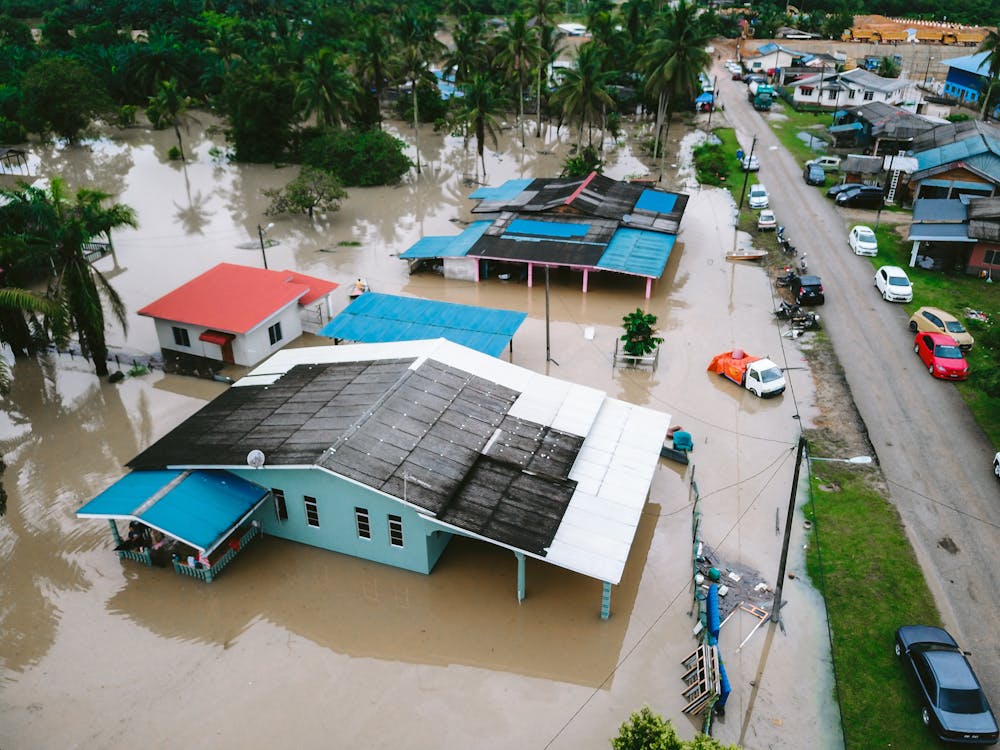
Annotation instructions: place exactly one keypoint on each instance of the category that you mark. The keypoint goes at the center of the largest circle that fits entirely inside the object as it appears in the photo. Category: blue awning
(638, 252)
(845, 128)
(447, 247)
(378, 318)
(200, 508)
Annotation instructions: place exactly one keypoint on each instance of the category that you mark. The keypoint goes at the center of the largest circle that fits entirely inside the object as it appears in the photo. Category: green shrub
(12, 132)
(357, 158)
(711, 164)
(581, 163)
(431, 107)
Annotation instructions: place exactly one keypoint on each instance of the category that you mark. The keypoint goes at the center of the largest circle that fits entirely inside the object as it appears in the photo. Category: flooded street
(295, 645)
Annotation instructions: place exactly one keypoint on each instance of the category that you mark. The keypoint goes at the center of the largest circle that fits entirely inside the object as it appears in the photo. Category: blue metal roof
(447, 247)
(939, 210)
(377, 318)
(199, 507)
(563, 229)
(638, 252)
(656, 201)
(977, 63)
(845, 128)
(958, 151)
(506, 192)
(939, 233)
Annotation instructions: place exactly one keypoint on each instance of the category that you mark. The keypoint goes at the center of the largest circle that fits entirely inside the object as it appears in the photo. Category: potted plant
(640, 337)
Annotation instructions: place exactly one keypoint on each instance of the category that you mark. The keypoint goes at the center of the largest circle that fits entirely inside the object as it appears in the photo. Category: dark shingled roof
(436, 436)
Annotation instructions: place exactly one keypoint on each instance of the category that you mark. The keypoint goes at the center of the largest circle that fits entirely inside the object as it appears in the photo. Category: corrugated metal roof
(199, 508)
(447, 247)
(977, 63)
(509, 190)
(965, 149)
(374, 318)
(637, 252)
(938, 233)
(939, 210)
(235, 298)
(523, 460)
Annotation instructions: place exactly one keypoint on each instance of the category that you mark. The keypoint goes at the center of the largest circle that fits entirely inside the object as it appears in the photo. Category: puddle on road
(88, 639)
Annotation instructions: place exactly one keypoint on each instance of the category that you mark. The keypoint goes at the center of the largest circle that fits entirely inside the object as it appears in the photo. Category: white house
(771, 56)
(238, 314)
(853, 88)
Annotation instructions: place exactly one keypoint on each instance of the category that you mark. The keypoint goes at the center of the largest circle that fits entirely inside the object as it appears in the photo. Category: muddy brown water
(303, 647)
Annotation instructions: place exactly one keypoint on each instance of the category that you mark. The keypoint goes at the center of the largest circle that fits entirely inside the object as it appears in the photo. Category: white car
(750, 163)
(996, 465)
(862, 241)
(767, 220)
(758, 196)
(893, 283)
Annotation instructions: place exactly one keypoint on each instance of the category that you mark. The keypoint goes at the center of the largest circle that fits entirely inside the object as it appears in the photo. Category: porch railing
(209, 574)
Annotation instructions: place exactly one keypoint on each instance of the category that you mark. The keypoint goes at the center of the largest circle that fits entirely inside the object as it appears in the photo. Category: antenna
(255, 458)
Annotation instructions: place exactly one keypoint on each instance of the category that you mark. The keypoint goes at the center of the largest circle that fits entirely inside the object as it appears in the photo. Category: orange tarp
(731, 364)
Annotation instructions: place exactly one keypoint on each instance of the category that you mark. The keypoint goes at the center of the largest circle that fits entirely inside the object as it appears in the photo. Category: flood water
(303, 647)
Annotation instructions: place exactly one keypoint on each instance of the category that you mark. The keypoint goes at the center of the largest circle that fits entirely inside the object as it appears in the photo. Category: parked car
(996, 465)
(954, 705)
(814, 175)
(767, 220)
(807, 290)
(737, 74)
(758, 196)
(941, 356)
(862, 196)
(938, 321)
(841, 187)
(862, 240)
(751, 77)
(893, 284)
(750, 163)
(826, 163)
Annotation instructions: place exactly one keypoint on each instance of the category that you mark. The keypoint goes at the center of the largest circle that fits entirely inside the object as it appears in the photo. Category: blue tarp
(506, 192)
(657, 202)
(563, 229)
(199, 508)
(704, 98)
(638, 252)
(377, 318)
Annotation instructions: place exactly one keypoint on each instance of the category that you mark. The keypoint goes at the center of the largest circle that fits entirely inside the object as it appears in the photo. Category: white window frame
(311, 504)
(363, 523)
(396, 531)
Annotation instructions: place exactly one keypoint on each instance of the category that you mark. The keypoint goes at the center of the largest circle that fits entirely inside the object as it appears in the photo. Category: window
(869, 95)
(181, 337)
(992, 257)
(396, 531)
(280, 508)
(312, 511)
(851, 94)
(363, 523)
(831, 94)
(806, 90)
(274, 333)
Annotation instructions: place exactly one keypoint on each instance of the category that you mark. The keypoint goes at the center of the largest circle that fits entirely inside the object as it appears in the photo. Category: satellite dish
(255, 458)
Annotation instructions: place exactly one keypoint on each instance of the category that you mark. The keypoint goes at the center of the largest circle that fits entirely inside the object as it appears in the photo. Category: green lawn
(860, 559)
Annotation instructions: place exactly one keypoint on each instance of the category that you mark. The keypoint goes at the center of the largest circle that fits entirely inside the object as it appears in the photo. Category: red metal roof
(236, 298)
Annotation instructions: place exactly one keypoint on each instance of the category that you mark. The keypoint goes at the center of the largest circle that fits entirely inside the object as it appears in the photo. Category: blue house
(968, 78)
(388, 451)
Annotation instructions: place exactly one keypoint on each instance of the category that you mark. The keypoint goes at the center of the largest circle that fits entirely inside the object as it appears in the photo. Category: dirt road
(934, 457)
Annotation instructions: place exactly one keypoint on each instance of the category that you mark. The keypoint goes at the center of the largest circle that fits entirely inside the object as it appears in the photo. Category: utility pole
(746, 178)
(776, 607)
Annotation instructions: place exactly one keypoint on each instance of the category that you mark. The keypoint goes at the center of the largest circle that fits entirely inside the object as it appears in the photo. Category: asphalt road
(936, 460)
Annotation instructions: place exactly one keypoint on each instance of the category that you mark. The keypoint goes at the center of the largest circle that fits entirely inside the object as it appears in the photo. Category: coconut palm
(479, 110)
(373, 62)
(520, 53)
(415, 32)
(583, 95)
(543, 17)
(991, 46)
(53, 231)
(169, 109)
(470, 53)
(673, 60)
(325, 89)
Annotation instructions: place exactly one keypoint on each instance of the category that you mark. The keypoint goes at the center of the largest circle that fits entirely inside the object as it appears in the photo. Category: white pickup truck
(759, 375)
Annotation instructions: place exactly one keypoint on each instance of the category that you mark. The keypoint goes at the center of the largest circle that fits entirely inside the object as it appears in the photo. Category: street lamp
(260, 233)
(927, 68)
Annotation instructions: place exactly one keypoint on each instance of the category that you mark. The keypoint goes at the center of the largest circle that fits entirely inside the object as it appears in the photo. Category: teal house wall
(336, 500)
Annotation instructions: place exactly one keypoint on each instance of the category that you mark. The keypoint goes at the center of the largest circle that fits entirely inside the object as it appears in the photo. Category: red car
(942, 356)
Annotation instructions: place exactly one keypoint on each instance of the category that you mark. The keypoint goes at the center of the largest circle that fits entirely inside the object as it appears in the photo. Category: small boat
(748, 254)
(359, 288)
(673, 454)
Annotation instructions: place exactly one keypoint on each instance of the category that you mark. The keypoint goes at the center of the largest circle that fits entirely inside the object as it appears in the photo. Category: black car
(862, 196)
(954, 706)
(839, 188)
(814, 175)
(807, 290)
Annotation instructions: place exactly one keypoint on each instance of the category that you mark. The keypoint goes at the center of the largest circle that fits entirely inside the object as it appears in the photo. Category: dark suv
(862, 196)
(814, 175)
(807, 290)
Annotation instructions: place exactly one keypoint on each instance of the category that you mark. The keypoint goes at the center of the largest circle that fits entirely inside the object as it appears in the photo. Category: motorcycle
(804, 321)
(803, 265)
(783, 242)
(787, 310)
(786, 280)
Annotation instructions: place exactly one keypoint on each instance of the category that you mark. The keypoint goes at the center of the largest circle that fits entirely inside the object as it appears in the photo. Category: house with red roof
(238, 314)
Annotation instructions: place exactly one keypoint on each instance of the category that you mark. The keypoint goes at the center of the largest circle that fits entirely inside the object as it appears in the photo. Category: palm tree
(673, 61)
(373, 62)
(991, 46)
(470, 53)
(53, 230)
(888, 68)
(325, 89)
(583, 94)
(484, 99)
(169, 108)
(520, 52)
(419, 48)
(543, 17)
